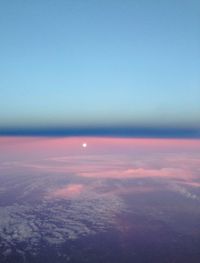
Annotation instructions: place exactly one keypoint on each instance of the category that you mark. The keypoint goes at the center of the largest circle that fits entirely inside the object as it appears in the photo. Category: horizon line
(135, 132)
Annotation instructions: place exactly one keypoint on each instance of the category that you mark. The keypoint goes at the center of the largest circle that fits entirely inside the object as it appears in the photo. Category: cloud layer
(54, 199)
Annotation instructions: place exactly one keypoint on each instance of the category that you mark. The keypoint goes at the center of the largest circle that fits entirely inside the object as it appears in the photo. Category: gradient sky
(115, 62)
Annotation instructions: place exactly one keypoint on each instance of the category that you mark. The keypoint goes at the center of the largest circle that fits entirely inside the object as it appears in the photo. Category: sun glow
(84, 145)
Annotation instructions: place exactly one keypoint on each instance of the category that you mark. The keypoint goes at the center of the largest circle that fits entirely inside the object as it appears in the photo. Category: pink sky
(28, 146)
(103, 157)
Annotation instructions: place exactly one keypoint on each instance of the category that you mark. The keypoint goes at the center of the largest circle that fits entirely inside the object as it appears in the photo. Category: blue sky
(99, 63)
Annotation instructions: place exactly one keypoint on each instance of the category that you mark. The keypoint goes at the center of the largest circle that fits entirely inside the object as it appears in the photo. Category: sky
(100, 64)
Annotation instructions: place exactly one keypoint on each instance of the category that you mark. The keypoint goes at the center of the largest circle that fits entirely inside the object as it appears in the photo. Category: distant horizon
(104, 131)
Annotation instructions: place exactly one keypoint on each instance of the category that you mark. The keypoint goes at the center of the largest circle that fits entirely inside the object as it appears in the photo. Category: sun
(84, 145)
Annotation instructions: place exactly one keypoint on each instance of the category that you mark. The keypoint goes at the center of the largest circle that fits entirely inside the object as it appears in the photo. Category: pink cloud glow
(52, 146)
(68, 191)
(103, 158)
